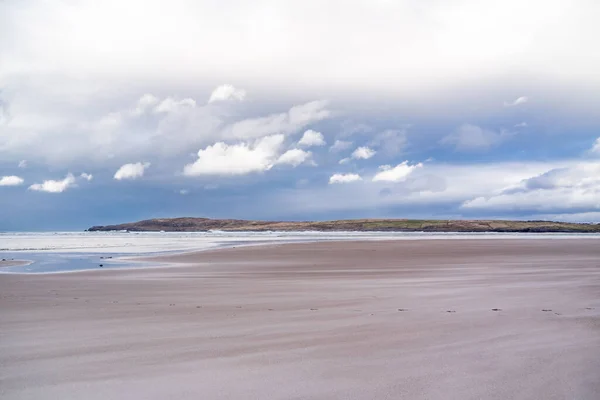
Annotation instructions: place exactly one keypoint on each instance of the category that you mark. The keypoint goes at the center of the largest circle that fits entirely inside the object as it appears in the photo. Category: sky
(298, 110)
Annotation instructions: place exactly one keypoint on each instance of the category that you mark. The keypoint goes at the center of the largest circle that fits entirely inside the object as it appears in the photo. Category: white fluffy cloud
(363, 153)
(474, 138)
(227, 92)
(237, 159)
(131, 171)
(52, 186)
(516, 102)
(11, 180)
(344, 178)
(398, 173)
(312, 138)
(294, 157)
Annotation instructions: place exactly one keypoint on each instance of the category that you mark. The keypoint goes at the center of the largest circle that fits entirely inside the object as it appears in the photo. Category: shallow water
(46, 262)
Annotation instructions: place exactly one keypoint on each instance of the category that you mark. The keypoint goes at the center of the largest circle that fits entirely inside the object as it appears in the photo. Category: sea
(56, 252)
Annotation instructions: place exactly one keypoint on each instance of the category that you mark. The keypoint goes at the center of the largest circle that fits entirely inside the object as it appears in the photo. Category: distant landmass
(361, 225)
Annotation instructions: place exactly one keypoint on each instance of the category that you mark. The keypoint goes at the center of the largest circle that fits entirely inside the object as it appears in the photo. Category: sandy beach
(414, 319)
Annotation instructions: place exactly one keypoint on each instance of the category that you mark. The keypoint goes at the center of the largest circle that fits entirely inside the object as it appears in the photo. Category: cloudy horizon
(113, 112)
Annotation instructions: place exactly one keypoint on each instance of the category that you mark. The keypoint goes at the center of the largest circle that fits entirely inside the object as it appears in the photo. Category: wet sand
(424, 319)
(13, 263)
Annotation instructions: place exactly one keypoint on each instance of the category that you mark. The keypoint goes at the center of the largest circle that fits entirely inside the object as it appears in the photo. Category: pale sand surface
(314, 321)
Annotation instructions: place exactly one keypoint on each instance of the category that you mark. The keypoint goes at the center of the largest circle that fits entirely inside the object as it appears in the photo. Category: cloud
(596, 147)
(312, 138)
(398, 173)
(294, 157)
(344, 178)
(183, 192)
(340, 145)
(351, 128)
(391, 141)
(150, 126)
(289, 122)
(564, 188)
(442, 43)
(345, 160)
(11, 181)
(52, 186)
(87, 176)
(474, 138)
(227, 92)
(521, 125)
(516, 102)
(23, 164)
(440, 186)
(4, 116)
(145, 103)
(170, 105)
(131, 171)
(237, 159)
(363, 153)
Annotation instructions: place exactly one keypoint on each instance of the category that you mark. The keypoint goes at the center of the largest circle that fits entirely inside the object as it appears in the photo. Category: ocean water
(50, 252)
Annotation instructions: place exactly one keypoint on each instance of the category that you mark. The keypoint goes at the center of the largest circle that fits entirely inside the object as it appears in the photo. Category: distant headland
(360, 225)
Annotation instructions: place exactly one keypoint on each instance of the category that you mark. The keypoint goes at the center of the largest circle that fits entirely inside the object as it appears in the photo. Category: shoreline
(165, 256)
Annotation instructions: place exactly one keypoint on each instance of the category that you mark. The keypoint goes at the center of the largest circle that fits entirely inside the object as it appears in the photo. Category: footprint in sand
(496, 309)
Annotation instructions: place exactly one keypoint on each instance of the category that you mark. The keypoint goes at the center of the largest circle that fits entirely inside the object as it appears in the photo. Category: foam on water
(71, 251)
